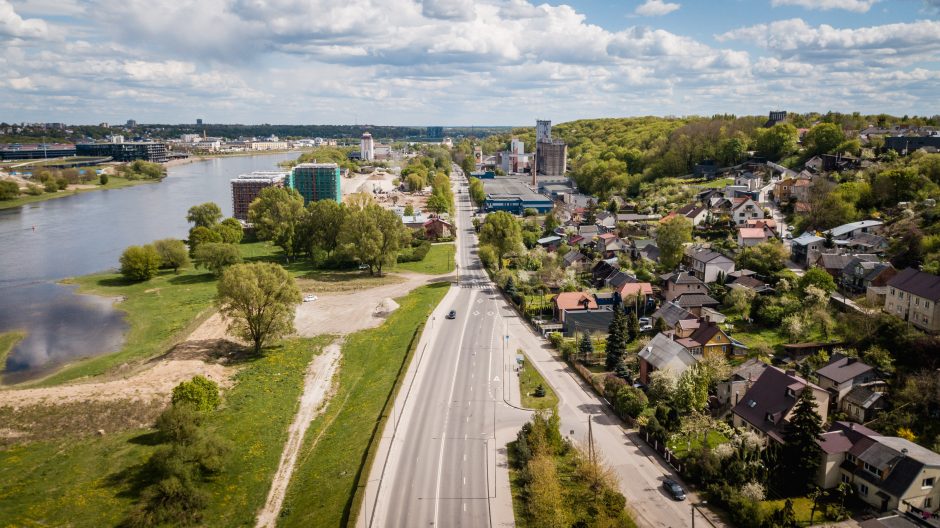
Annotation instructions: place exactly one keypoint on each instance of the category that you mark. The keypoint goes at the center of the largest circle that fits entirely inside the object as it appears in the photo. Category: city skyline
(449, 62)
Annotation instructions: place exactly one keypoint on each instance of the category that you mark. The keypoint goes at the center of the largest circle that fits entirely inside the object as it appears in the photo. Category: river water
(44, 242)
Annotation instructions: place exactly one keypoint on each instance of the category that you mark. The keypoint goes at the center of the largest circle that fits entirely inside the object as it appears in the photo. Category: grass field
(90, 482)
(8, 340)
(802, 507)
(529, 379)
(337, 453)
(439, 260)
(680, 446)
(114, 182)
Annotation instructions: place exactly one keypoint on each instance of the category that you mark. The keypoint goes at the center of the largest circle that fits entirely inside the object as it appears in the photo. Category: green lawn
(91, 482)
(438, 261)
(680, 446)
(755, 336)
(802, 506)
(114, 182)
(339, 445)
(8, 340)
(529, 379)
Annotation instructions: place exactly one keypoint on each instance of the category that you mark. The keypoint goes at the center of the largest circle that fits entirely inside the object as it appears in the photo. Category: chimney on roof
(791, 373)
(850, 360)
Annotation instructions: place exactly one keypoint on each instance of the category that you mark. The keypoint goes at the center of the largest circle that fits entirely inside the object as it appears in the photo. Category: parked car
(452, 314)
(646, 328)
(674, 489)
(310, 298)
(645, 321)
(363, 266)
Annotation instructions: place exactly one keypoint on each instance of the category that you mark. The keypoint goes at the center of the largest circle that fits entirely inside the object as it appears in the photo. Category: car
(310, 298)
(645, 321)
(673, 488)
(452, 314)
(363, 266)
(646, 328)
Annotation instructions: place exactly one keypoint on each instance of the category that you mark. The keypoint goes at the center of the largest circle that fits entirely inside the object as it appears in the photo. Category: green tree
(438, 204)
(259, 298)
(204, 215)
(374, 236)
(201, 235)
(201, 392)
(616, 340)
(671, 237)
(630, 401)
(324, 223)
(9, 190)
(692, 390)
(633, 327)
(172, 254)
(503, 233)
(819, 278)
(799, 456)
(216, 256)
(230, 230)
(586, 347)
(103, 179)
(765, 258)
(409, 210)
(739, 300)
(140, 263)
(777, 141)
(278, 215)
(823, 138)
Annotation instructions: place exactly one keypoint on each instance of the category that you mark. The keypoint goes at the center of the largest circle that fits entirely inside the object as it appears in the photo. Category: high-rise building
(247, 187)
(317, 181)
(366, 147)
(199, 121)
(543, 130)
(131, 123)
(435, 132)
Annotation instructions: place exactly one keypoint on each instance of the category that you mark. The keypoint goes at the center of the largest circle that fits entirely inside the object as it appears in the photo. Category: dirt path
(317, 385)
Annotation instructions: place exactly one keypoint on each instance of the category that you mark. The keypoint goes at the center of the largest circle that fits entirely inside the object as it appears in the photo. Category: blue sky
(461, 62)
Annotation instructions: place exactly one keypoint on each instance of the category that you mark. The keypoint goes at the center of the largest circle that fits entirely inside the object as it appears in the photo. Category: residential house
(751, 236)
(867, 274)
(609, 244)
(695, 213)
(768, 224)
(662, 353)
(887, 472)
(709, 339)
(436, 228)
(618, 278)
(708, 265)
(833, 263)
(414, 221)
(783, 190)
(550, 243)
(767, 406)
(753, 182)
(681, 283)
(590, 321)
(847, 231)
(575, 259)
(745, 209)
(864, 243)
(637, 294)
(731, 390)
(748, 282)
(841, 374)
(602, 270)
(805, 248)
(800, 190)
(672, 314)
(697, 302)
(572, 301)
(915, 297)
(864, 402)
(645, 248)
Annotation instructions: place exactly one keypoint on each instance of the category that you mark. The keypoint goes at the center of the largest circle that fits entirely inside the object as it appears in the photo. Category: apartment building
(914, 296)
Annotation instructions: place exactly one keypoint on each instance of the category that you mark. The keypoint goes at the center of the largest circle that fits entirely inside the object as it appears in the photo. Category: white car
(310, 298)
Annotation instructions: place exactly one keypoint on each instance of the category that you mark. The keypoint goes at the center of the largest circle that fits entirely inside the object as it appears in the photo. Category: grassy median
(339, 445)
(93, 481)
(529, 381)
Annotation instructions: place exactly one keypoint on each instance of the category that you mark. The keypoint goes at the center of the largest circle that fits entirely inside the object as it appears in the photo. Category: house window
(916, 301)
(850, 457)
(892, 291)
(928, 502)
(927, 482)
(862, 489)
(846, 479)
(926, 304)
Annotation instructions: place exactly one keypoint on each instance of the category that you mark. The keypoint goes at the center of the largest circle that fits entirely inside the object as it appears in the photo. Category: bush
(216, 256)
(103, 179)
(50, 186)
(140, 263)
(33, 190)
(201, 392)
(9, 190)
(201, 235)
(556, 339)
(230, 230)
(630, 401)
(62, 183)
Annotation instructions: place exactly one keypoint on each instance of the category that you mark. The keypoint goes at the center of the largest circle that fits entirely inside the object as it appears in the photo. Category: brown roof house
(731, 390)
(436, 228)
(681, 283)
(766, 407)
(914, 296)
(842, 373)
(887, 472)
(572, 301)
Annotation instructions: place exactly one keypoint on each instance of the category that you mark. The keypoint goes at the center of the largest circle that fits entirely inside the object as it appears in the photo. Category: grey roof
(692, 300)
(918, 283)
(681, 277)
(707, 256)
(672, 313)
(588, 320)
(806, 239)
(619, 278)
(832, 261)
(650, 251)
(749, 370)
(573, 256)
(864, 397)
(548, 239)
(845, 229)
(664, 353)
(844, 369)
(897, 520)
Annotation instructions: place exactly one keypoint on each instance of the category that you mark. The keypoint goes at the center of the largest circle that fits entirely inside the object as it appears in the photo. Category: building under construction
(247, 187)
(551, 155)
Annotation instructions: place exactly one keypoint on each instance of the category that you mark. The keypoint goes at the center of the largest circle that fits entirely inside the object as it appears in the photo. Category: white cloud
(656, 8)
(13, 25)
(858, 6)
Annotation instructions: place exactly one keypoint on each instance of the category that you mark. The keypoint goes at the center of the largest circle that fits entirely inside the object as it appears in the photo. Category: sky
(461, 62)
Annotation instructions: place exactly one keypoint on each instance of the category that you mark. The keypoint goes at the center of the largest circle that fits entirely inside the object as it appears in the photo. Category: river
(45, 242)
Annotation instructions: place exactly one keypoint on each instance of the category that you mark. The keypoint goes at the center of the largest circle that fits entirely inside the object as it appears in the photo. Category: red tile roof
(575, 301)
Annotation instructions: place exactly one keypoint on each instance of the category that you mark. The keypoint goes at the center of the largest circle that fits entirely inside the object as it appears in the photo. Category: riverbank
(114, 182)
(206, 157)
(8, 340)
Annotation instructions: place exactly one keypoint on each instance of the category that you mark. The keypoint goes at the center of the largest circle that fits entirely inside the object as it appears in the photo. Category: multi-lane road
(442, 459)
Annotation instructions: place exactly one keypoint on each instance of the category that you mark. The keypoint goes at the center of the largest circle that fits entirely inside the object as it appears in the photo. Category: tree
(9, 190)
(692, 390)
(259, 298)
(438, 204)
(278, 214)
(324, 223)
(374, 236)
(477, 194)
(823, 138)
(230, 230)
(502, 232)
(819, 278)
(204, 215)
(201, 235)
(200, 392)
(172, 253)
(140, 263)
(671, 238)
(660, 325)
(586, 347)
(216, 256)
(777, 141)
(662, 385)
(103, 179)
(765, 258)
(630, 401)
(616, 340)
(633, 327)
(739, 300)
(409, 210)
(799, 456)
